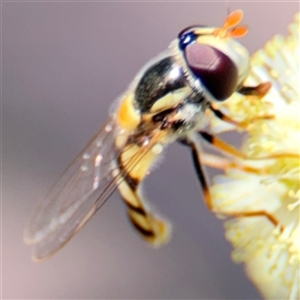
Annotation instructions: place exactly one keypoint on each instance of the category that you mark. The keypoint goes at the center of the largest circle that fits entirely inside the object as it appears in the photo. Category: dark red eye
(215, 70)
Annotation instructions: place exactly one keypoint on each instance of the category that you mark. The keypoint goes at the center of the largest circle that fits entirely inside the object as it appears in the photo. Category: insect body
(164, 103)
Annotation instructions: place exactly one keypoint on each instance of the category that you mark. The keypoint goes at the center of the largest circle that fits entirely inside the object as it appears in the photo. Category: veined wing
(80, 192)
(73, 199)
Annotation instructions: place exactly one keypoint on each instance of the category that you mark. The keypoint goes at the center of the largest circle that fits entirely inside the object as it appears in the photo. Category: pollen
(271, 127)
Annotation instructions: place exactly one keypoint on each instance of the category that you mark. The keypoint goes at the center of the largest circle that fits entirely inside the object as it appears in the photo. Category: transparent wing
(76, 196)
(81, 191)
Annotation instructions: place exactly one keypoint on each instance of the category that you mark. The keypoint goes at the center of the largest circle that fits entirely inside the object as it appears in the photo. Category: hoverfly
(165, 103)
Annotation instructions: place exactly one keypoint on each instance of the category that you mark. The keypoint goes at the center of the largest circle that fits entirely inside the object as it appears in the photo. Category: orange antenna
(233, 19)
(238, 32)
(229, 28)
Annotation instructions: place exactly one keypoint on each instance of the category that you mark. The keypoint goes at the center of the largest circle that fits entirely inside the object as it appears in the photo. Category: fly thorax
(187, 116)
(162, 85)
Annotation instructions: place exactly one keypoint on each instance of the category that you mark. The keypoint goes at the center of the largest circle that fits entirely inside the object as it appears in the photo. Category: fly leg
(226, 148)
(259, 91)
(194, 145)
(221, 145)
(152, 228)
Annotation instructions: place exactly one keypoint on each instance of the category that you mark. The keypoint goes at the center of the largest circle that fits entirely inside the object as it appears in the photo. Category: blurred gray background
(63, 64)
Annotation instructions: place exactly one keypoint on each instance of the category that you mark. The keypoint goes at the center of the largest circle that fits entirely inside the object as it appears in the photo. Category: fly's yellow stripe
(142, 220)
(128, 116)
(121, 139)
(171, 99)
(128, 194)
(153, 229)
(142, 161)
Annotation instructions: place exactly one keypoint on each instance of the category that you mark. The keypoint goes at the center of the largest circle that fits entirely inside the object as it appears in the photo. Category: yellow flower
(272, 146)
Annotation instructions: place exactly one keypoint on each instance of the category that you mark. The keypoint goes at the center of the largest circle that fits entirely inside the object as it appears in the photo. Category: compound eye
(215, 70)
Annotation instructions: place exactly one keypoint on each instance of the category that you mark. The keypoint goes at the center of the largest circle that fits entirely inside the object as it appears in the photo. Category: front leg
(258, 91)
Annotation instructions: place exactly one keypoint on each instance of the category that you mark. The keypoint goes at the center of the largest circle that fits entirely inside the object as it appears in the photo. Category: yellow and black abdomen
(159, 87)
